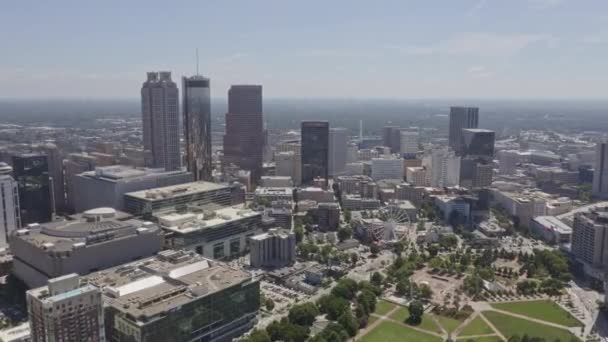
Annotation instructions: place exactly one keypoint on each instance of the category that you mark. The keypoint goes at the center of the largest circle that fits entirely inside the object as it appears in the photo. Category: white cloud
(481, 44)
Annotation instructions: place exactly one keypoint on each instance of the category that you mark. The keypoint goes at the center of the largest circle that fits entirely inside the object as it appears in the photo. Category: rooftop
(554, 223)
(155, 285)
(189, 222)
(122, 172)
(176, 190)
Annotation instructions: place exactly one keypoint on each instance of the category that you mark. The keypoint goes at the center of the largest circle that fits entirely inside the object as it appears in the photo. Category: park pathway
(492, 326)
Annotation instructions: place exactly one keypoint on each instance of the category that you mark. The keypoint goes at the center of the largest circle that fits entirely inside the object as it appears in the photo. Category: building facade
(461, 117)
(274, 248)
(315, 147)
(590, 238)
(338, 141)
(160, 118)
(387, 168)
(31, 172)
(196, 110)
(10, 217)
(244, 138)
(600, 173)
(66, 310)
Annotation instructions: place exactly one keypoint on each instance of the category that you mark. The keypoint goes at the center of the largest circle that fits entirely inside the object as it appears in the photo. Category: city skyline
(405, 49)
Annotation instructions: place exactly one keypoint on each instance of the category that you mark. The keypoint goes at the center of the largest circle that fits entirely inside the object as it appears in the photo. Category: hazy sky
(350, 48)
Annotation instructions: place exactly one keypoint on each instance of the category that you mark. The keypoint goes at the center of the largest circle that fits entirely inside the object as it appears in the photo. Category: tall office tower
(600, 174)
(160, 118)
(478, 143)
(56, 179)
(75, 164)
(244, 138)
(445, 168)
(461, 117)
(315, 146)
(409, 143)
(66, 310)
(590, 237)
(289, 164)
(352, 153)
(31, 172)
(338, 141)
(196, 104)
(10, 218)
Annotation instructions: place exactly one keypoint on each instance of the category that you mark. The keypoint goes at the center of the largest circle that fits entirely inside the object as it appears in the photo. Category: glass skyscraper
(461, 117)
(196, 104)
(31, 172)
(315, 146)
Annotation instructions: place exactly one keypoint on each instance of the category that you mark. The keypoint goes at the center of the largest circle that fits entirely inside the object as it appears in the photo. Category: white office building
(445, 168)
(275, 248)
(9, 217)
(338, 142)
(289, 164)
(387, 168)
(409, 142)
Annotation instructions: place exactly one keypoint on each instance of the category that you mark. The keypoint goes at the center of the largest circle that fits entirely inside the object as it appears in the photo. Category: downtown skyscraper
(196, 104)
(244, 137)
(600, 173)
(160, 118)
(461, 117)
(315, 151)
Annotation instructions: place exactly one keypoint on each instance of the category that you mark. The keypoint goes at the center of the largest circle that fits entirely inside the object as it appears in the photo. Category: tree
(269, 304)
(403, 287)
(377, 278)
(367, 301)
(344, 233)
(333, 306)
(425, 291)
(433, 250)
(416, 311)
(354, 258)
(299, 232)
(347, 216)
(283, 330)
(348, 322)
(303, 314)
(374, 249)
(257, 336)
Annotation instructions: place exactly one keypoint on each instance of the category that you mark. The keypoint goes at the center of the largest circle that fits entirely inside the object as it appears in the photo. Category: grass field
(449, 324)
(372, 319)
(388, 331)
(476, 327)
(541, 309)
(427, 322)
(382, 307)
(510, 326)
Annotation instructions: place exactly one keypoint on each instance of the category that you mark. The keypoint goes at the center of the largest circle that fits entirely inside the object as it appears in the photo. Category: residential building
(338, 142)
(66, 310)
(160, 118)
(216, 234)
(416, 176)
(244, 138)
(315, 146)
(106, 186)
(177, 296)
(461, 117)
(275, 248)
(590, 238)
(196, 110)
(97, 239)
(31, 172)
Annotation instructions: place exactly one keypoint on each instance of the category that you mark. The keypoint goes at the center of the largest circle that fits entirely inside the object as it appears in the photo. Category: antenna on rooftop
(197, 74)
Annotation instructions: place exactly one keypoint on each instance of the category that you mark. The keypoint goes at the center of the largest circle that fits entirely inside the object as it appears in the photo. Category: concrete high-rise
(66, 310)
(461, 117)
(315, 146)
(600, 173)
(31, 172)
(590, 238)
(56, 179)
(445, 168)
(160, 118)
(10, 218)
(274, 248)
(244, 138)
(338, 142)
(409, 143)
(196, 104)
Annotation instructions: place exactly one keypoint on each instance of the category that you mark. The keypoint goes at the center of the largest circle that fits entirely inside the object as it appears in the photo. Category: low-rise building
(97, 239)
(275, 248)
(177, 296)
(416, 176)
(273, 194)
(276, 181)
(19, 333)
(214, 234)
(356, 202)
(551, 229)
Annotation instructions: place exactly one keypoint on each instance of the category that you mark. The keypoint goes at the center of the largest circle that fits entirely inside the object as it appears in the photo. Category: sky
(315, 48)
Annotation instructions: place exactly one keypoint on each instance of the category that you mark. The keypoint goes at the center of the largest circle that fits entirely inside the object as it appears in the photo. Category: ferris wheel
(391, 224)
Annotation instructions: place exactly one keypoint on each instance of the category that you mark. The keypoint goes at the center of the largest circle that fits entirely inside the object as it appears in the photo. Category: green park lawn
(390, 331)
(476, 327)
(482, 339)
(372, 319)
(510, 326)
(383, 307)
(427, 322)
(449, 324)
(541, 309)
